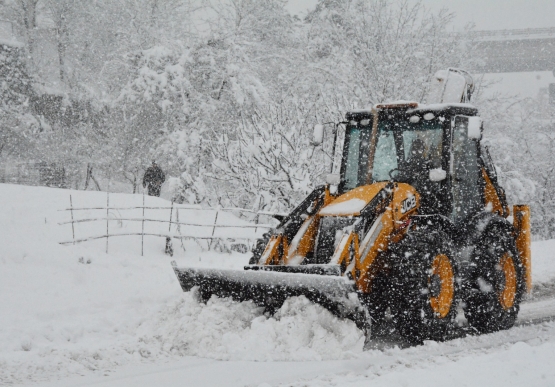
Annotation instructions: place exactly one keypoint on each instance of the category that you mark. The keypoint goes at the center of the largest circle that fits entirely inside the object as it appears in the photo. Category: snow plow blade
(270, 289)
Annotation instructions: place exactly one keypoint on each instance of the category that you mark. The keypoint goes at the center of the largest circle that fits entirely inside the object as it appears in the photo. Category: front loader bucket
(271, 289)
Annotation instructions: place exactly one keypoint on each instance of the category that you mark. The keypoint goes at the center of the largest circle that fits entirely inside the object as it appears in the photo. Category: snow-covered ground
(74, 315)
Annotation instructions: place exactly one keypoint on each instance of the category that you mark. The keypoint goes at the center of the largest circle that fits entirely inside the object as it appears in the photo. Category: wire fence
(175, 228)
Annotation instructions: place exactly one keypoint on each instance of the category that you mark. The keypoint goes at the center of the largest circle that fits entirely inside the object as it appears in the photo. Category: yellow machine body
(355, 254)
(521, 221)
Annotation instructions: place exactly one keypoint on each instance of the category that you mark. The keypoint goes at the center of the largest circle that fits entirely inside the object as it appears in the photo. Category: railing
(173, 221)
(516, 33)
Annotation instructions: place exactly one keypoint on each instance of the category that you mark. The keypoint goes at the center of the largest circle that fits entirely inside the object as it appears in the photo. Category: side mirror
(474, 128)
(333, 178)
(318, 135)
(437, 174)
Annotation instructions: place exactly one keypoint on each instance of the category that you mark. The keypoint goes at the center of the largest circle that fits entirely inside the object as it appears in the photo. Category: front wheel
(424, 286)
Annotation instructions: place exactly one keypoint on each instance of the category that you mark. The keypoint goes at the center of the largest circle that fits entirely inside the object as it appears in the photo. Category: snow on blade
(227, 330)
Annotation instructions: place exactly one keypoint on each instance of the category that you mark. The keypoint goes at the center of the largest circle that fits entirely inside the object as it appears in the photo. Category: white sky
(486, 14)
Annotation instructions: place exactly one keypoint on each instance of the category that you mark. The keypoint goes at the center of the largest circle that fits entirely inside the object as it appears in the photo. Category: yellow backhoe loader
(412, 224)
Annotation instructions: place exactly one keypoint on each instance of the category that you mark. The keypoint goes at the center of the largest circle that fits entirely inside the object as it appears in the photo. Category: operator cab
(428, 147)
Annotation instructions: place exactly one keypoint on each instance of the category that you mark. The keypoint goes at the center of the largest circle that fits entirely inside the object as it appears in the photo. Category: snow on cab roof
(367, 110)
(412, 108)
(396, 104)
(441, 106)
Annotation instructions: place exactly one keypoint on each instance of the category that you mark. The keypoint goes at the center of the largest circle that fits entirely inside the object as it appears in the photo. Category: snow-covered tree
(348, 54)
(268, 163)
(18, 125)
(377, 50)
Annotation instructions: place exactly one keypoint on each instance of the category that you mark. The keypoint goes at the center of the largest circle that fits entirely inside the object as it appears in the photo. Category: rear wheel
(425, 290)
(499, 284)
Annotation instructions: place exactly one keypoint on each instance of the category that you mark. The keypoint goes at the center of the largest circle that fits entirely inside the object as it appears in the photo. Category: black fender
(476, 226)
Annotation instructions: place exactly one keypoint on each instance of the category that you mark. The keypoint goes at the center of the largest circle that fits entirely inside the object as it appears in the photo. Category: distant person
(154, 177)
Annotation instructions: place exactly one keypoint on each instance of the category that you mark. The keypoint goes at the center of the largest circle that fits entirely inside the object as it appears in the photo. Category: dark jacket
(154, 176)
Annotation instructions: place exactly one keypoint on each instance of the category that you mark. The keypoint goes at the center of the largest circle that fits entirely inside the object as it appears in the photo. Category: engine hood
(353, 202)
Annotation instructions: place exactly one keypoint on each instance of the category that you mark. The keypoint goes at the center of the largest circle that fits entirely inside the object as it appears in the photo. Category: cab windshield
(407, 147)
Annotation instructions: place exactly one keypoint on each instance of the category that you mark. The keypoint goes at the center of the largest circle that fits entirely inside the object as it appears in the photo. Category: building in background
(521, 61)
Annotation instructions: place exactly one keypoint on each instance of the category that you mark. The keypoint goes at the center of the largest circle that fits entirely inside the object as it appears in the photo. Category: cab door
(464, 168)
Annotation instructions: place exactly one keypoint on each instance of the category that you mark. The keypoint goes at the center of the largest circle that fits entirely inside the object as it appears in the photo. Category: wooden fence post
(256, 221)
(143, 226)
(72, 223)
(107, 217)
(214, 228)
(169, 247)
(171, 213)
(179, 227)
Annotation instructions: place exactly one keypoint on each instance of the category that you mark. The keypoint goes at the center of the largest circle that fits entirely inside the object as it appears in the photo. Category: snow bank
(221, 329)
(227, 330)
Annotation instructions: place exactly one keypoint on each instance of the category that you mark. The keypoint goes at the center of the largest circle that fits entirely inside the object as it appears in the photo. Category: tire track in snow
(381, 363)
(534, 326)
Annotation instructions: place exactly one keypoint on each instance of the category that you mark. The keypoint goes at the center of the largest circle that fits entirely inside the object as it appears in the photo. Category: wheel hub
(506, 282)
(441, 285)
(435, 285)
(500, 279)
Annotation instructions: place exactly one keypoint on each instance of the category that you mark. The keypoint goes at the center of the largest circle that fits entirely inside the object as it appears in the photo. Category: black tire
(488, 307)
(376, 303)
(425, 290)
